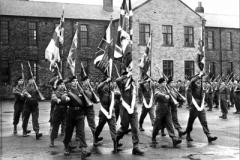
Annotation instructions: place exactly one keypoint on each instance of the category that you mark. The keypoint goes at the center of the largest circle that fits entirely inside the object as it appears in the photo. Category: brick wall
(227, 56)
(18, 51)
(165, 12)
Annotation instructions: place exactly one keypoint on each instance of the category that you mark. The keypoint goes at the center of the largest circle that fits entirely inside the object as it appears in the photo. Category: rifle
(89, 103)
(40, 95)
(95, 97)
(24, 85)
(117, 70)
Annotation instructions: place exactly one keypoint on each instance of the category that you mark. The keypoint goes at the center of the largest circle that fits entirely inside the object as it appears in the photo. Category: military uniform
(75, 118)
(31, 107)
(194, 113)
(209, 99)
(59, 112)
(105, 91)
(147, 88)
(224, 97)
(20, 98)
(216, 95)
(163, 114)
(126, 117)
(237, 97)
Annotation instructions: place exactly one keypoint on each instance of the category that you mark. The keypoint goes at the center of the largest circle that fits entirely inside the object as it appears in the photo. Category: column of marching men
(117, 97)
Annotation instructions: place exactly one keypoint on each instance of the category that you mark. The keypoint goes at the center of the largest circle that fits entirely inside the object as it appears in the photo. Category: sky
(227, 7)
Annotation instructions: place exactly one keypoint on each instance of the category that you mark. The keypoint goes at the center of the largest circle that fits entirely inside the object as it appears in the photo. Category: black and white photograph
(119, 79)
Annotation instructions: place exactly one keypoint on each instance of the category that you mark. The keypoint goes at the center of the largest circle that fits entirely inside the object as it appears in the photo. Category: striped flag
(104, 55)
(52, 50)
(145, 60)
(72, 56)
(200, 60)
(123, 47)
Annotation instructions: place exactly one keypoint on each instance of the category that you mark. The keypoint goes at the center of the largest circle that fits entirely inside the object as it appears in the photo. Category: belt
(60, 106)
(75, 108)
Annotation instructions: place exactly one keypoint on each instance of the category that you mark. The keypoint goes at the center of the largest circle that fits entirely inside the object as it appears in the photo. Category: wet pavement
(16, 147)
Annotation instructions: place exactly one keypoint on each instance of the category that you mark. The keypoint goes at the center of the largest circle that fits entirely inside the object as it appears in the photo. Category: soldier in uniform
(147, 88)
(106, 113)
(209, 99)
(181, 90)
(128, 111)
(59, 100)
(20, 96)
(216, 95)
(224, 97)
(195, 86)
(88, 110)
(75, 118)
(163, 113)
(175, 121)
(31, 107)
(237, 97)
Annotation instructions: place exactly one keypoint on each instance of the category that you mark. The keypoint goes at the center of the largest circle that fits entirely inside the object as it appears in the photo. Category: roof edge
(140, 5)
(190, 8)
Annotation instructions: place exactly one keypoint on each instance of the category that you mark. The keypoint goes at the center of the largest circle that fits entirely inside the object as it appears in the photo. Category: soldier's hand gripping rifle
(95, 97)
(40, 94)
(89, 103)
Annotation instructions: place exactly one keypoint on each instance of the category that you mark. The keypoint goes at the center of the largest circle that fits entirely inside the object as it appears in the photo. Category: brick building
(222, 41)
(27, 28)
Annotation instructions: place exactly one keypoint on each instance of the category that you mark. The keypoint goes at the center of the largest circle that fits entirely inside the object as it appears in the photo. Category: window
(210, 40)
(229, 68)
(34, 68)
(188, 36)
(85, 65)
(4, 32)
(189, 68)
(228, 41)
(167, 35)
(168, 67)
(32, 34)
(5, 71)
(83, 35)
(211, 69)
(144, 33)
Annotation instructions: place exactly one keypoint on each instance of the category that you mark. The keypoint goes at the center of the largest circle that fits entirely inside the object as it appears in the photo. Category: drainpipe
(220, 41)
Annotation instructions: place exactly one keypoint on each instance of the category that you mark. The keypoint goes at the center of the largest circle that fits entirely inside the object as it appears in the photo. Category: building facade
(26, 31)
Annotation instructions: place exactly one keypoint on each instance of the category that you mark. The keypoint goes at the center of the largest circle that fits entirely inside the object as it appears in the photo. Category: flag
(123, 47)
(200, 60)
(52, 50)
(104, 55)
(145, 60)
(72, 56)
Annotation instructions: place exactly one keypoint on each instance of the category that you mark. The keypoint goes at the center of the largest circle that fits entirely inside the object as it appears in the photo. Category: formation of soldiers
(72, 100)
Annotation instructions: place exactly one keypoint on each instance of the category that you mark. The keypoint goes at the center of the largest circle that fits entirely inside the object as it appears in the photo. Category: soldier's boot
(15, 129)
(115, 146)
(141, 128)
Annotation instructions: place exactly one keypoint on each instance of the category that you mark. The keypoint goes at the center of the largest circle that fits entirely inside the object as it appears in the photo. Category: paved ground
(14, 146)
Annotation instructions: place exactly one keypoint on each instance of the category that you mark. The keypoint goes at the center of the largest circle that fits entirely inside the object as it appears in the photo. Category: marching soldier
(181, 90)
(224, 97)
(197, 109)
(237, 97)
(128, 111)
(20, 96)
(231, 90)
(106, 113)
(117, 99)
(175, 121)
(146, 86)
(216, 95)
(59, 100)
(88, 110)
(163, 113)
(31, 107)
(75, 118)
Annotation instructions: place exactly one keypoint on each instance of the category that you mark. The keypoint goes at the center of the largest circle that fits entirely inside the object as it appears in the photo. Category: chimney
(108, 5)
(199, 9)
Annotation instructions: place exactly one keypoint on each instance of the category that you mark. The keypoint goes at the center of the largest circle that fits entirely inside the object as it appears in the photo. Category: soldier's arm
(54, 98)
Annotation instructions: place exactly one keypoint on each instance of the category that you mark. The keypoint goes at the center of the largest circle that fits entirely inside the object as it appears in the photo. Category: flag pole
(151, 55)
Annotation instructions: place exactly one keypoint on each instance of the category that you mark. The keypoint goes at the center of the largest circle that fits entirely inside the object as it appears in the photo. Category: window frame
(3, 29)
(188, 35)
(212, 38)
(8, 71)
(192, 69)
(80, 36)
(230, 38)
(30, 37)
(144, 32)
(167, 69)
(167, 35)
